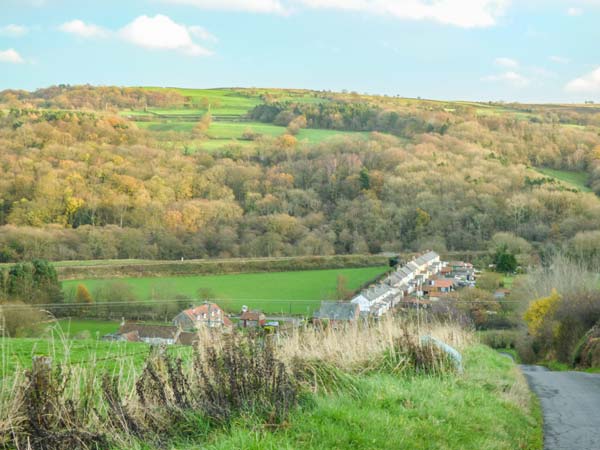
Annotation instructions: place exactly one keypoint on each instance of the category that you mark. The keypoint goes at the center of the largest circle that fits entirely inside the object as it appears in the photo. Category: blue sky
(523, 50)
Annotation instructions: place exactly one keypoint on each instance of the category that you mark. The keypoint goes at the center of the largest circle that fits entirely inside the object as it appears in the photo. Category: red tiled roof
(443, 283)
(192, 313)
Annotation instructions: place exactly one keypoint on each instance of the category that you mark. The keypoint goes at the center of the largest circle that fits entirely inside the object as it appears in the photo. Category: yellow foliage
(83, 295)
(540, 310)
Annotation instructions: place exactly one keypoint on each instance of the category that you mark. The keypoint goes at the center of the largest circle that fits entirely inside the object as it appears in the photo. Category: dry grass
(353, 347)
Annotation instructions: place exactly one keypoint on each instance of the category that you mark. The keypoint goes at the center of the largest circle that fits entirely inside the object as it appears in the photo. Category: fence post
(41, 365)
(41, 370)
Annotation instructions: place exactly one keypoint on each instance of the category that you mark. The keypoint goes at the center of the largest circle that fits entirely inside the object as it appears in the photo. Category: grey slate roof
(426, 258)
(337, 311)
(375, 292)
(405, 271)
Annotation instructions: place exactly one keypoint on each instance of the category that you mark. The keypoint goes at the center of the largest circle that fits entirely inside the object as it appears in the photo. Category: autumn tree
(203, 124)
(83, 296)
(341, 288)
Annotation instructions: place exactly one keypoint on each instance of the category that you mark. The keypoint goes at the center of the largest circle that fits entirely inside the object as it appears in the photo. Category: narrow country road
(571, 407)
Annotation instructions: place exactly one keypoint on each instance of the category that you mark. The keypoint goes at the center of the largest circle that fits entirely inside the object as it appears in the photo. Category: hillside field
(282, 292)
(571, 178)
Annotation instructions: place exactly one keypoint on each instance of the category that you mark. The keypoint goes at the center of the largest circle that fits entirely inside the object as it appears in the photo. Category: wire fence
(88, 306)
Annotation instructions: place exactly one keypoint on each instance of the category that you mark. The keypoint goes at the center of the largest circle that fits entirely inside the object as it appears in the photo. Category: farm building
(208, 315)
(337, 312)
(252, 319)
(152, 334)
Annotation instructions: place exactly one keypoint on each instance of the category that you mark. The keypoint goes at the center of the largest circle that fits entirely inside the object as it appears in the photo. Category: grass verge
(488, 407)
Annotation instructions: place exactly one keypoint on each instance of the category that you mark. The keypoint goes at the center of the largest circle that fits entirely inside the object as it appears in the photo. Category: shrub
(49, 419)
(20, 320)
(408, 355)
(500, 339)
(540, 311)
(244, 376)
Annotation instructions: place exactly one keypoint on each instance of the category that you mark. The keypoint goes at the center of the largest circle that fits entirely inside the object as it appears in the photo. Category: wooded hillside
(80, 179)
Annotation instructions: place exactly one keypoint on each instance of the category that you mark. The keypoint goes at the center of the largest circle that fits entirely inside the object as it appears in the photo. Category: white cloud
(507, 62)
(162, 33)
(574, 11)
(13, 30)
(586, 84)
(559, 59)
(82, 29)
(11, 56)
(461, 13)
(512, 78)
(256, 6)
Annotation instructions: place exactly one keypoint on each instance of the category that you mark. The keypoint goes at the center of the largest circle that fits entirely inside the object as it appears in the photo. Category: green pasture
(170, 125)
(224, 133)
(297, 292)
(102, 355)
(576, 179)
(235, 130)
(94, 329)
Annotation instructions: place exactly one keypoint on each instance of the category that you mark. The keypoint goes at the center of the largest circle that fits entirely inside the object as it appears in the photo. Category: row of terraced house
(425, 276)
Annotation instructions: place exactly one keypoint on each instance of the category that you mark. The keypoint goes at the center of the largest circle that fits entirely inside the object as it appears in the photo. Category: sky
(482, 50)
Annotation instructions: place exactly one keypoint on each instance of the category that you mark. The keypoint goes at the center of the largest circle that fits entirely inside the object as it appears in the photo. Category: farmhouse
(150, 334)
(208, 315)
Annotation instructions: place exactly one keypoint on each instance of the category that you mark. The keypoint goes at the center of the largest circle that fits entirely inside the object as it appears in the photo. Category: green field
(94, 329)
(281, 292)
(18, 353)
(576, 179)
(220, 101)
(160, 126)
(222, 133)
(235, 130)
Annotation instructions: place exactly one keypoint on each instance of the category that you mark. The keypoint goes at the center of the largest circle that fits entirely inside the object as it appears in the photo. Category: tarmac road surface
(570, 405)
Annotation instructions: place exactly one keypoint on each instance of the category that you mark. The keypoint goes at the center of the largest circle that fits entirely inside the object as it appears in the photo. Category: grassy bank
(362, 387)
(488, 407)
(297, 292)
